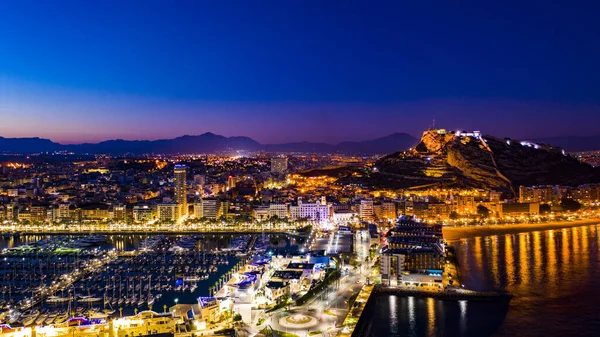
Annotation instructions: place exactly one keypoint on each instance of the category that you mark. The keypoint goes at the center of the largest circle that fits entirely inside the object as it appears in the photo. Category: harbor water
(131, 273)
(552, 274)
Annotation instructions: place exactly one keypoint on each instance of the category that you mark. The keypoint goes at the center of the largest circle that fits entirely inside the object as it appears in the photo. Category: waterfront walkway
(356, 311)
(121, 231)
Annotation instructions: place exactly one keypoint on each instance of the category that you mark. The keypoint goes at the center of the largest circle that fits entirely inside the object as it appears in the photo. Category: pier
(455, 294)
(66, 281)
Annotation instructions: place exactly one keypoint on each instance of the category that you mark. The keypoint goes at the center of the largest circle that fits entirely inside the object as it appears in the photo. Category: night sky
(279, 71)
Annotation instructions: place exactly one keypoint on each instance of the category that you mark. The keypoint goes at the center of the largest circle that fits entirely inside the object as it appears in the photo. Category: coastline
(457, 233)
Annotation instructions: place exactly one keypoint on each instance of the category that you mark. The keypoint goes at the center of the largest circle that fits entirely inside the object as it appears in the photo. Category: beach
(456, 233)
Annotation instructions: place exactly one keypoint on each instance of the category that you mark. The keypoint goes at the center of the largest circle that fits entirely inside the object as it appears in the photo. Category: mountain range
(206, 143)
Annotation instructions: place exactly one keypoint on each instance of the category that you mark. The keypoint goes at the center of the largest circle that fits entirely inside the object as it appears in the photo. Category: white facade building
(167, 211)
(278, 209)
(342, 217)
(207, 208)
(143, 214)
(366, 210)
(318, 211)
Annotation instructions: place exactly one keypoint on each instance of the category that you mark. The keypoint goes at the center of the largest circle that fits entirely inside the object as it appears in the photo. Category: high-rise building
(279, 165)
(366, 210)
(230, 182)
(180, 176)
(414, 255)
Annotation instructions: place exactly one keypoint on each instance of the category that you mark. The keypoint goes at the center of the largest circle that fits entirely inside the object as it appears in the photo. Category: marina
(47, 280)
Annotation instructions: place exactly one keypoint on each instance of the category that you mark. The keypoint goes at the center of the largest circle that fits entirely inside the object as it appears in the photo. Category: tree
(483, 211)
(284, 298)
(453, 215)
(545, 209)
(570, 205)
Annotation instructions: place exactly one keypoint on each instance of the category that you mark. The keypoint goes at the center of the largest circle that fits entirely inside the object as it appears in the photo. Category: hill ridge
(207, 142)
(472, 160)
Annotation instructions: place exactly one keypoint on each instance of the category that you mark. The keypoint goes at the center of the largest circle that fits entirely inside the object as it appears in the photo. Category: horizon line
(202, 134)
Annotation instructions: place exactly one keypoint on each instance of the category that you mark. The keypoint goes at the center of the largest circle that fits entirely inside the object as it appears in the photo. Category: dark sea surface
(554, 276)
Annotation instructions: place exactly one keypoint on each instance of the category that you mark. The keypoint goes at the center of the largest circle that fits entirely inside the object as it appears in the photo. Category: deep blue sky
(297, 70)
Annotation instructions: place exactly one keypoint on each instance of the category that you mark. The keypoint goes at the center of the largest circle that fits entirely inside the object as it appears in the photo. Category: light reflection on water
(553, 275)
(393, 314)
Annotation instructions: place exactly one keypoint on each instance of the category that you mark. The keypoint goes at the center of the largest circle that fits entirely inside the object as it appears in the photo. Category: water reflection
(411, 313)
(463, 316)
(552, 274)
(431, 317)
(394, 314)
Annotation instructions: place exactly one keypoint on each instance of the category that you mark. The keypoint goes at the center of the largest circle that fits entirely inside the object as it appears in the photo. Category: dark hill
(392, 143)
(24, 145)
(447, 160)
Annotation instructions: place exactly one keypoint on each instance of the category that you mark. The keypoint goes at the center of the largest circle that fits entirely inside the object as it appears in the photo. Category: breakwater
(448, 294)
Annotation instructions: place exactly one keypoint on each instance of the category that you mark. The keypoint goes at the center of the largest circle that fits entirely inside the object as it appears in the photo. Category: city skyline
(308, 168)
(282, 72)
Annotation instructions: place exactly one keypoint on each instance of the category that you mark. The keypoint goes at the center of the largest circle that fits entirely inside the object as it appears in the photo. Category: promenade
(48, 229)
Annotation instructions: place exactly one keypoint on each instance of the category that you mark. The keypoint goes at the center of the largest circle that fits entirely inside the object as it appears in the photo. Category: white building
(261, 213)
(143, 214)
(278, 209)
(366, 210)
(168, 211)
(341, 217)
(207, 208)
(318, 211)
(266, 212)
(64, 211)
(119, 213)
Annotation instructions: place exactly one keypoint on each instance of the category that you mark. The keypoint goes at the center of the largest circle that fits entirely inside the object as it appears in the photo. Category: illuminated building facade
(279, 165)
(180, 176)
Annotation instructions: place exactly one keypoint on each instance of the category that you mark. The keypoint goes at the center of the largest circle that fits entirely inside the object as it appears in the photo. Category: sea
(553, 275)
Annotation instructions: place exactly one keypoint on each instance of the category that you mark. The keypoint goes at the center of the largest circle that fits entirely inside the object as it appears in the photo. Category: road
(331, 305)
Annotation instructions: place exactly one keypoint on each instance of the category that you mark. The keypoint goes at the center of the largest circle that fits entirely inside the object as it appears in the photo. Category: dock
(455, 294)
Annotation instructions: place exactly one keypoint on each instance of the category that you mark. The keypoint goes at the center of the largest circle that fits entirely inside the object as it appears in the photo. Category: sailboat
(150, 297)
(141, 300)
